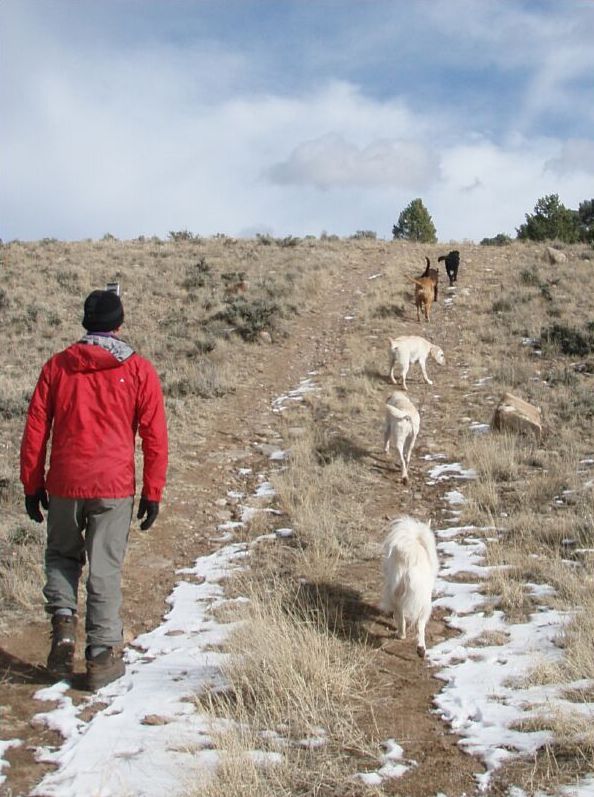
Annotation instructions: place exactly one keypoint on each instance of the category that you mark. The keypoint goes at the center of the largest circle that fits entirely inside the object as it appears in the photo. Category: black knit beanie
(103, 312)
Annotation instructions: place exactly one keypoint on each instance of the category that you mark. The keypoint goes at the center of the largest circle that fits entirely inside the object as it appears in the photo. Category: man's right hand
(32, 505)
(150, 509)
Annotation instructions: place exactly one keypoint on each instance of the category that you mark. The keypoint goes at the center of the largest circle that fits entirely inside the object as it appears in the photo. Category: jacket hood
(97, 353)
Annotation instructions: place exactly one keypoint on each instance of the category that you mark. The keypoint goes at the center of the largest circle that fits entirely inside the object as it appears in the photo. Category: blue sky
(137, 117)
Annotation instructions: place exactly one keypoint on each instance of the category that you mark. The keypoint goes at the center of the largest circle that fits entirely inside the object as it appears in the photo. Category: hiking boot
(60, 661)
(104, 668)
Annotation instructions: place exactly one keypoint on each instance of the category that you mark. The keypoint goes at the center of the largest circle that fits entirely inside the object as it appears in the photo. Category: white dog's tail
(410, 567)
(397, 413)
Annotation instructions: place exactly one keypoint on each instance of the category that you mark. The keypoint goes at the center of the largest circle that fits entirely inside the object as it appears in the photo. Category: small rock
(155, 719)
(513, 414)
(267, 448)
(554, 256)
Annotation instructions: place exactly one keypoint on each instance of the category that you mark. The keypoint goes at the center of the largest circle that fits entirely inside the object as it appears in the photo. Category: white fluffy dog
(409, 349)
(401, 428)
(410, 569)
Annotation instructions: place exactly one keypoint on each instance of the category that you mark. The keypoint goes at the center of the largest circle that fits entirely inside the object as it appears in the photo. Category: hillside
(273, 357)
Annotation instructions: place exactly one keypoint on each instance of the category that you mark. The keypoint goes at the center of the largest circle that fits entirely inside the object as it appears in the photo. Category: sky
(290, 117)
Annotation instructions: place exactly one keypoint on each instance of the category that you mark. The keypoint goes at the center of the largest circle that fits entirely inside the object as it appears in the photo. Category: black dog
(452, 262)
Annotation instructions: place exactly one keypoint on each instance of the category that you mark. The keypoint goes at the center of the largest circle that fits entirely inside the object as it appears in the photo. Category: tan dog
(408, 349)
(401, 428)
(424, 295)
(433, 274)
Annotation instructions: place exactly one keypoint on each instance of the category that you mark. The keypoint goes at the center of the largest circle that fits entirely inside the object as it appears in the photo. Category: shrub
(389, 310)
(569, 340)
(502, 306)
(197, 275)
(365, 234)
(529, 276)
(201, 377)
(182, 235)
(290, 240)
(68, 280)
(501, 239)
(9, 490)
(232, 277)
(14, 406)
(203, 346)
(248, 318)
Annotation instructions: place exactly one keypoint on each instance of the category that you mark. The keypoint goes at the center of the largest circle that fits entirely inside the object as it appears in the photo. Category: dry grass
(323, 492)
(569, 757)
(537, 495)
(293, 690)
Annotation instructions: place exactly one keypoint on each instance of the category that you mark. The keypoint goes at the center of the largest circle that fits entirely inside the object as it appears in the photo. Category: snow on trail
(484, 665)
(6, 744)
(150, 738)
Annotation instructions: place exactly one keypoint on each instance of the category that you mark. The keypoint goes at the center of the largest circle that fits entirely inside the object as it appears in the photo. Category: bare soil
(205, 468)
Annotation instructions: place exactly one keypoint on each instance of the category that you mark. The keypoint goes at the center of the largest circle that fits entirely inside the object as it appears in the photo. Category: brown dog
(424, 295)
(433, 274)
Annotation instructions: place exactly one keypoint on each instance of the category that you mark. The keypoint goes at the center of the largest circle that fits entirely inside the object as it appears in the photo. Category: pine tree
(551, 221)
(586, 220)
(415, 224)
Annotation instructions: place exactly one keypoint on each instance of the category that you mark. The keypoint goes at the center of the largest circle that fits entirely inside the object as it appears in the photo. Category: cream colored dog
(410, 569)
(401, 428)
(409, 349)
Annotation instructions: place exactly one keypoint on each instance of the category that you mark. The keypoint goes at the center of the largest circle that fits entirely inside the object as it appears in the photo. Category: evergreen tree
(415, 224)
(551, 221)
(586, 220)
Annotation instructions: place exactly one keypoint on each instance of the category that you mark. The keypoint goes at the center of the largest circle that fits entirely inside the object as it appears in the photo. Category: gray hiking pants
(97, 527)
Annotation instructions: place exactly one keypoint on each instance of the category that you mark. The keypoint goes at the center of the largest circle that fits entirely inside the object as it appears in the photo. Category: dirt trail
(404, 685)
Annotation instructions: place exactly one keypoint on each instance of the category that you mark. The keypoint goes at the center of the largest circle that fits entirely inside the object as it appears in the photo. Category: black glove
(150, 509)
(32, 505)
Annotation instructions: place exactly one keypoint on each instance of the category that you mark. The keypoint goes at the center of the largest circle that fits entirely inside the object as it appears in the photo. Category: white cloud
(576, 157)
(331, 161)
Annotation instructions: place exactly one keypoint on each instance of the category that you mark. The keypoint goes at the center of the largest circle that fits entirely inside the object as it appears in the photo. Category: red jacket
(93, 397)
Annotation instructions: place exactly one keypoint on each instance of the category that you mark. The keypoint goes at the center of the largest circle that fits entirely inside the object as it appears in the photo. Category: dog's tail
(442, 257)
(397, 413)
(426, 272)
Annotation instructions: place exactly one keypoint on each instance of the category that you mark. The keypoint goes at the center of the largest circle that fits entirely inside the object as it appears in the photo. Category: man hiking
(92, 398)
